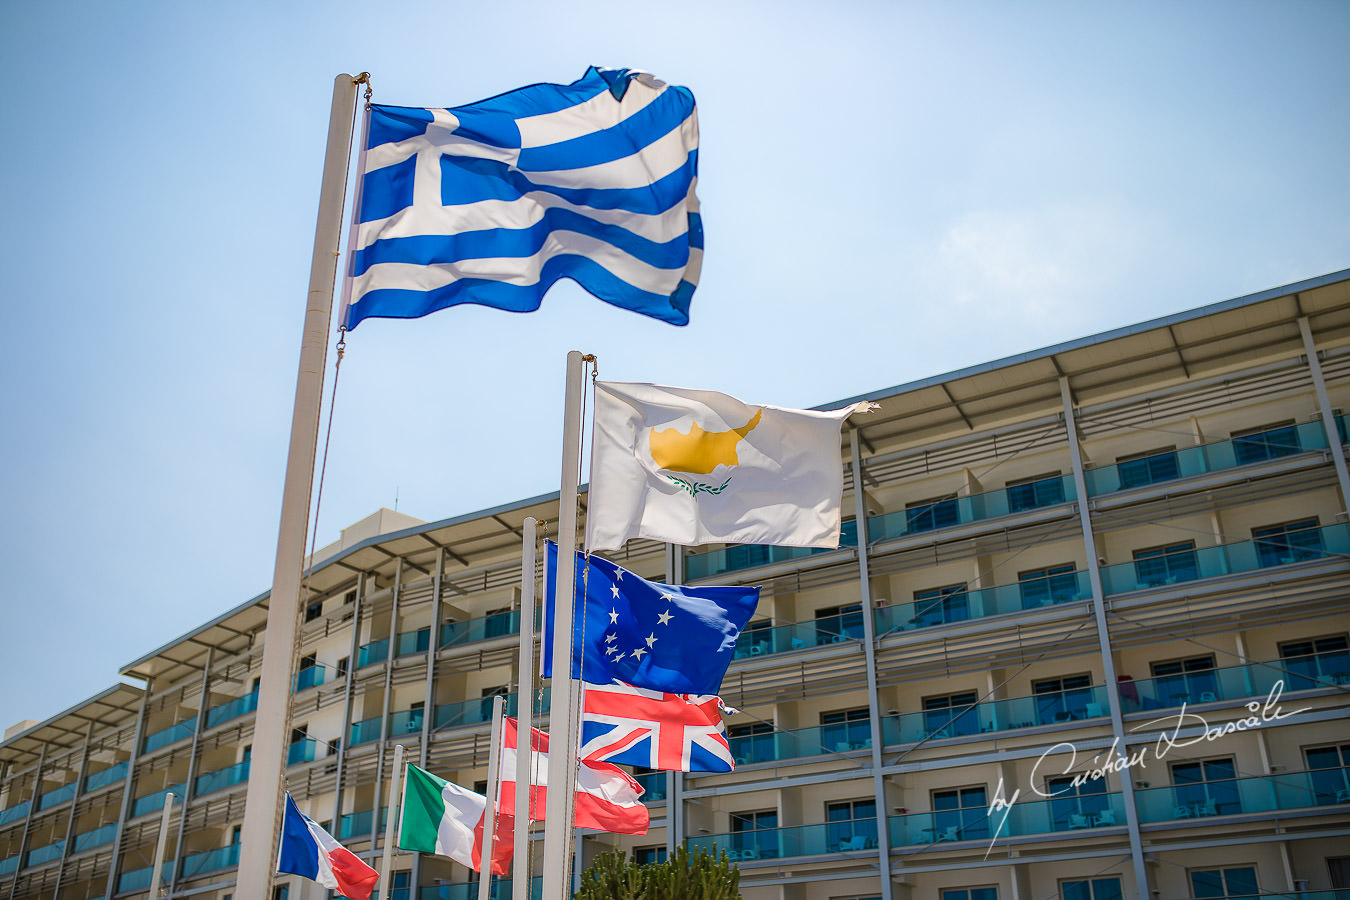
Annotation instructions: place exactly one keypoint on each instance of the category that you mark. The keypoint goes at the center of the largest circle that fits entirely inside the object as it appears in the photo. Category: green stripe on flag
(423, 810)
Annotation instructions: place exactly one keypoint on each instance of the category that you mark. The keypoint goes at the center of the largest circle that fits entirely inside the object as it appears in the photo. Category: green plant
(684, 876)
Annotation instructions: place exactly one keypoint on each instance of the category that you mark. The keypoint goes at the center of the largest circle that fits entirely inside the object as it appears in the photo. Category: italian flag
(447, 820)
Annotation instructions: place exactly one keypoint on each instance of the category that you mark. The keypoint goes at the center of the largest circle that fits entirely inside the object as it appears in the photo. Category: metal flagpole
(493, 788)
(262, 807)
(391, 822)
(562, 755)
(159, 846)
(520, 873)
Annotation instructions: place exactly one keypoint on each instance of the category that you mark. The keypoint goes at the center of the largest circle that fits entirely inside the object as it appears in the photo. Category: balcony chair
(1106, 817)
(1079, 821)
(1208, 697)
(950, 833)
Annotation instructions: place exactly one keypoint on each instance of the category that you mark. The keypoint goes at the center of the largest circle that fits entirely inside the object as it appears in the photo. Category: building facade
(1085, 637)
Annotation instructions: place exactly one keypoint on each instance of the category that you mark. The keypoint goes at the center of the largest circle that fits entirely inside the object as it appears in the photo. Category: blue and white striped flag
(492, 203)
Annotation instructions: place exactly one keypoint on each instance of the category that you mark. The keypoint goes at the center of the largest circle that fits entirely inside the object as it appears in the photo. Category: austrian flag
(637, 727)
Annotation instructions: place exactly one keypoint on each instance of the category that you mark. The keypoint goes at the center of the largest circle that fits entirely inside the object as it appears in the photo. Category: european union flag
(655, 636)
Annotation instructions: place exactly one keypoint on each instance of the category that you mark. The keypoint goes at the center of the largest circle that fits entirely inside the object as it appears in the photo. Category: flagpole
(520, 873)
(493, 788)
(262, 806)
(562, 747)
(390, 822)
(159, 846)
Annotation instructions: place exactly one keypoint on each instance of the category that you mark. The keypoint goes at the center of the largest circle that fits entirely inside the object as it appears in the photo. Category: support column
(70, 822)
(384, 706)
(345, 737)
(34, 798)
(870, 659)
(189, 786)
(1328, 414)
(1104, 638)
(429, 697)
(674, 780)
(128, 786)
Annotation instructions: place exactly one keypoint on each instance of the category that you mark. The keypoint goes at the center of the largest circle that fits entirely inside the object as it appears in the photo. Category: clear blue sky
(891, 190)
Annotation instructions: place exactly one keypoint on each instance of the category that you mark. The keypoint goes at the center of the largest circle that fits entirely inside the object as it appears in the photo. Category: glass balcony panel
(139, 879)
(110, 775)
(1262, 793)
(96, 838)
(307, 750)
(413, 642)
(991, 716)
(653, 786)
(14, 813)
(195, 864)
(795, 636)
(1024, 818)
(306, 678)
(408, 721)
(155, 802)
(40, 855)
(367, 730)
(500, 890)
(983, 602)
(481, 629)
(59, 795)
(10, 865)
(469, 712)
(799, 840)
(239, 706)
(375, 651)
(1211, 562)
(357, 825)
(168, 735)
(222, 778)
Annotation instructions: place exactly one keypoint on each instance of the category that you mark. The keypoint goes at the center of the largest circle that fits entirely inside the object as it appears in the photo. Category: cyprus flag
(696, 467)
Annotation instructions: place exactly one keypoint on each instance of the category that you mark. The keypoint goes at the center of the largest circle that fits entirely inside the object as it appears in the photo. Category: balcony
(365, 730)
(653, 786)
(747, 556)
(1318, 670)
(1310, 790)
(816, 740)
(40, 855)
(59, 795)
(978, 603)
(992, 716)
(375, 651)
(154, 802)
(470, 712)
(481, 629)
(14, 813)
(110, 775)
(168, 736)
(221, 778)
(500, 890)
(1225, 559)
(357, 825)
(408, 721)
(759, 641)
(306, 678)
(951, 511)
(1025, 818)
(795, 840)
(304, 751)
(409, 642)
(195, 864)
(139, 879)
(1174, 465)
(9, 865)
(235, 708)
(96, 838)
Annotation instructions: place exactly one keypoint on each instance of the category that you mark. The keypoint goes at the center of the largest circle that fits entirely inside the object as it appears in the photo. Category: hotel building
(1045, 559)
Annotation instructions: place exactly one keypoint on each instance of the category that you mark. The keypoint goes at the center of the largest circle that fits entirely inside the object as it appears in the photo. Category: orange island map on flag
(694, 467)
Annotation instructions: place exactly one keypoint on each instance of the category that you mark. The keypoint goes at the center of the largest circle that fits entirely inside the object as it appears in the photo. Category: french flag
(310, 852)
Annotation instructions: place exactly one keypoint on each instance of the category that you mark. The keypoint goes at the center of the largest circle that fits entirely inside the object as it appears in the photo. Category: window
(1084, 805)
(847, 729)
(851, 825)
(1152, 467)
(1316, 662)
(281, 892)
(1329, 772)
(342, 666)
(308, 661)
(1207, 884)
(400, 886)
(1269, 442)
(926, 515)
(1166, 565)
(755, 834)
(961, 814)
(937, 606)
(1090, 889)
(1053, 584)
(980, 893)
(752, 742)
(1205, 788)
(1278, 545)
(1063, 699)
(951, 715)
(835, 623)
(313, 610)
(1190, 680)
(235, 833)
(299, 733)
(646, 856)
(415, 715)
(485, 706)
(350, 598)
(1030, 493)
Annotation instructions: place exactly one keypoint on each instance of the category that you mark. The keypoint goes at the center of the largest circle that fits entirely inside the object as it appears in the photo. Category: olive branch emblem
(697, 487)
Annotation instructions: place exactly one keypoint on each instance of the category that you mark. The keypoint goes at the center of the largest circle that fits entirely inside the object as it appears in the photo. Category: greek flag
(494, 202)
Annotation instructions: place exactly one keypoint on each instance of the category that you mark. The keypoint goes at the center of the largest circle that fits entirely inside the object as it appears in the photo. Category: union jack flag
(637, 727)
